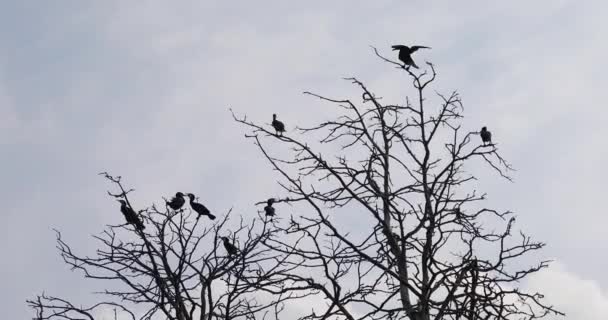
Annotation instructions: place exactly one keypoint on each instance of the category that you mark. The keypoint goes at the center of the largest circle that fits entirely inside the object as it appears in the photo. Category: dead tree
(176, 268)
(391, 224)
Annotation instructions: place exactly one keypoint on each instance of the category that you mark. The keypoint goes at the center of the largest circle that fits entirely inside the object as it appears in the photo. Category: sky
(143, 90)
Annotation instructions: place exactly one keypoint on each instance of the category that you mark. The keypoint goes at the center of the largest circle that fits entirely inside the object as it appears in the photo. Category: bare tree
(176, 267)
(424, 245)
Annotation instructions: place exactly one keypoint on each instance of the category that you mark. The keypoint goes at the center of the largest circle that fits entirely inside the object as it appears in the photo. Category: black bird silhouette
(405, 54)
(278, 126)
(176, 202)
(130, 215)
(486, 136)
(268, 208)
(199, 208)
(230, 248)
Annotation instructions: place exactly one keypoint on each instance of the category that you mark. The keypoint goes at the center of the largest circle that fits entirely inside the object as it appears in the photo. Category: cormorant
(230, 248)
(199, 208)
(486, 136)
(177, 202)
(268, 208)
(405, 54)
(278, 126)
(130, 215)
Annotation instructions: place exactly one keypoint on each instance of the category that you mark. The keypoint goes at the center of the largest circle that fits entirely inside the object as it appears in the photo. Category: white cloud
(143, 89)
(580, 298)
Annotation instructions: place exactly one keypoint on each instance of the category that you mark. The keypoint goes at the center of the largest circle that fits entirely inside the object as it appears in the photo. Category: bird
(199, 208)
(405, 54)
(486, 136)
(278, 126)
(176, 202)
(230, 248)
(268, 208)
(130, 215)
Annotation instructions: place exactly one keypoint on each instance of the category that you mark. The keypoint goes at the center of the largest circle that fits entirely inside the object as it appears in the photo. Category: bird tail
(209, 215)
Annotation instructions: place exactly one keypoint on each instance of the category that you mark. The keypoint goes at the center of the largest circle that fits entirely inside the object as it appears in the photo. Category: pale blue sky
(142, 89)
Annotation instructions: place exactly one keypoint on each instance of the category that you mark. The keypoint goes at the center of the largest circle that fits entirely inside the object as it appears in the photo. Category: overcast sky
(142, 89)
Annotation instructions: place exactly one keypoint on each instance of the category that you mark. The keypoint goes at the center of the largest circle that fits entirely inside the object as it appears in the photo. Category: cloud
(142, 90)
(580, 298)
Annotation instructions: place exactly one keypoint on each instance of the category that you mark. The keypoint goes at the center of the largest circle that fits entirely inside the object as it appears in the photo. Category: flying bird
(131, 216)
(486, 136)
(177, 202)
(230, 248)
(278, 126)
(268, 208)
(199, 208)
(405, 54)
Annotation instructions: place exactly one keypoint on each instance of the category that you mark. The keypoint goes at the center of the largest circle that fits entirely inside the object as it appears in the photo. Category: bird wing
(269, 210)
(201, 208)
(414, 48)
(399, 47)
(280, 126)
(139, 224)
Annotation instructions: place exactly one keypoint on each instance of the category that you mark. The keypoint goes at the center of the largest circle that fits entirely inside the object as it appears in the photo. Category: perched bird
(278, 126)
(199, 208)
(486, 136)
(268, 208)
(177, 202)
(405, 54)
(230, 248)
(130, 215)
